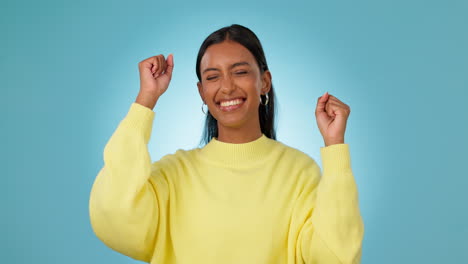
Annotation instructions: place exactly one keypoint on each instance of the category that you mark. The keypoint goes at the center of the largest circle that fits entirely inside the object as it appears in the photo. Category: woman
(244, 197)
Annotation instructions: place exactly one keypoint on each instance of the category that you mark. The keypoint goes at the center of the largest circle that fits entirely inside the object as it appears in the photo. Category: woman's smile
(231, 105)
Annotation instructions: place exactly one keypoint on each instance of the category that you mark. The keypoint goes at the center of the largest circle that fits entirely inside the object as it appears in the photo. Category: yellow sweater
(259, 202)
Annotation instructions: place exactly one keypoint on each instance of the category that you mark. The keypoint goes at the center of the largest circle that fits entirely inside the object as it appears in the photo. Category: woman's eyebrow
(230, 67)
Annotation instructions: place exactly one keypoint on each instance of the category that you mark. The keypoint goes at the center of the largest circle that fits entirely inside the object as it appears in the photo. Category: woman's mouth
(231, 105)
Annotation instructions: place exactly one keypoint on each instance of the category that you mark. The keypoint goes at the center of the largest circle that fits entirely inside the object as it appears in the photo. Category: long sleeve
(334, 231)
(125, 201)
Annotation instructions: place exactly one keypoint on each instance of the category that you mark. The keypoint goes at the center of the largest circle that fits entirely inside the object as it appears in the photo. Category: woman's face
(231, 84)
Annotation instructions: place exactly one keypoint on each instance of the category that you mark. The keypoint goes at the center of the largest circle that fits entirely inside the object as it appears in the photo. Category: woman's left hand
(331, 115)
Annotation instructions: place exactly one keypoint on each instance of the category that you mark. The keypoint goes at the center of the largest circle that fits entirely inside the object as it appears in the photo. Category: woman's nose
(227, 84)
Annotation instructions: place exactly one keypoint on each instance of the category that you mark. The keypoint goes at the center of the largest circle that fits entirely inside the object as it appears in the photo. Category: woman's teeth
(233, 102)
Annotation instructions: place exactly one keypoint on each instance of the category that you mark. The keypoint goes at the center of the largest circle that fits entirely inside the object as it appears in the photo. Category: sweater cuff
(336, 157)
(140, 117)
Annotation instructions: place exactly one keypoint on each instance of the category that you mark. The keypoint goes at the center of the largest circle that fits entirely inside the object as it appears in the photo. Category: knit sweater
(256, 202)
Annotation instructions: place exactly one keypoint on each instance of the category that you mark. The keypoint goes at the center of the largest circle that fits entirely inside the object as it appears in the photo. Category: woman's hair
(249, 40)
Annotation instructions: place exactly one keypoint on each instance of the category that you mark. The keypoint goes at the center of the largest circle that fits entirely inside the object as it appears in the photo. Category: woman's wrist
(333, 142)
(147, 100)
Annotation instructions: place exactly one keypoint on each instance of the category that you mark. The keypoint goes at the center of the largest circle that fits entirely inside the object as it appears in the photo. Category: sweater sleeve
(334, 231)
(125, 201)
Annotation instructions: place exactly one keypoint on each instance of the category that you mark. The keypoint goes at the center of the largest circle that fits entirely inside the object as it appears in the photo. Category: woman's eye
(214, 77)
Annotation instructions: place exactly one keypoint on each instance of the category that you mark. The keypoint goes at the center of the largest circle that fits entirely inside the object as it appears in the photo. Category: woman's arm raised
(129, 194)
(334, 231)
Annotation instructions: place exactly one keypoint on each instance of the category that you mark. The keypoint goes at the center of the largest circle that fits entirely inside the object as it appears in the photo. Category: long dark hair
(249, 40)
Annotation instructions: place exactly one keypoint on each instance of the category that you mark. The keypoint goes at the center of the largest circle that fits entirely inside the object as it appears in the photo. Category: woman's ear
(200, 91)
(266, 81)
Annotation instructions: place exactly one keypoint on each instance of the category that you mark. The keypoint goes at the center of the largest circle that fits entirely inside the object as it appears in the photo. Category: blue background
(69, 72)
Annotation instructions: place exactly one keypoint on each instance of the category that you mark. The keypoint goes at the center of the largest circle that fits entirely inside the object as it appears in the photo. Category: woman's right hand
(155, 75)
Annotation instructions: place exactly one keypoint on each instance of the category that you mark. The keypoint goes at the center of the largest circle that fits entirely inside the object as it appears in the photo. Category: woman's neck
(238, 135)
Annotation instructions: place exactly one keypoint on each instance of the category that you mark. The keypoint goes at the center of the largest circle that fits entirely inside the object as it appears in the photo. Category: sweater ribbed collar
(238, 154)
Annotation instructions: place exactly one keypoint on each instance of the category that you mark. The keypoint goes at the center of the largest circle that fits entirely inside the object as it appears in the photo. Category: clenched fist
(155, 75)
(331, 115)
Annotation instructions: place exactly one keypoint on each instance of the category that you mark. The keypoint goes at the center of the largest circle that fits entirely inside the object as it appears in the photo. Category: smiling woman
(233, 66)
(231, 86)
(243, 197)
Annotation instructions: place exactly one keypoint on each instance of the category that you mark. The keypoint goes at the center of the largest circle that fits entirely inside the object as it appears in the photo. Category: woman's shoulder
(178, 156)
(294, 154)
(299, 164)
(172, 166)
